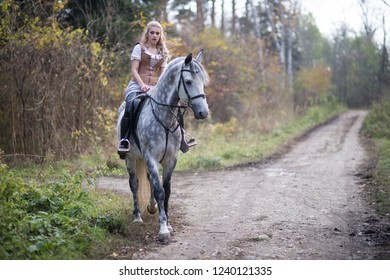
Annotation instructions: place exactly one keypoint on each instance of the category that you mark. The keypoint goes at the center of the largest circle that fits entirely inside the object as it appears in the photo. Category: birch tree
(255, 19)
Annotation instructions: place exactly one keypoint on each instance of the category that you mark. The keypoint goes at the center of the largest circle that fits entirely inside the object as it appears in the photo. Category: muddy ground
(309, 202)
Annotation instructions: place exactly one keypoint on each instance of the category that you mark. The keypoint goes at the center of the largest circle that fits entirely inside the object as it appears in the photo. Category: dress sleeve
(136, 54)
(165, 62)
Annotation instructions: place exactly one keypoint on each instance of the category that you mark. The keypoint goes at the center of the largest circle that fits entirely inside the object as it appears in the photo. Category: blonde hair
(161, 44)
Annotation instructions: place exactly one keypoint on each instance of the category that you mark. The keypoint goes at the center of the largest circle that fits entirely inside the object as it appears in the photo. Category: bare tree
(223, 17)
(385, 2)
(256, 19)
(290, 30)
(234, 17)
(277, 31)
(161, 12)
(367, 19)
(213, 13)
(200, 14)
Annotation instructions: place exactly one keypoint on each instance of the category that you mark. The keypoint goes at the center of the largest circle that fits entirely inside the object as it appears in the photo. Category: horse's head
(193, 79)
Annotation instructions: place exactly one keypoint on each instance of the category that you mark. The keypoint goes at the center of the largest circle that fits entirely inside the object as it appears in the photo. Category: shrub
(377, 122)
(47, 220)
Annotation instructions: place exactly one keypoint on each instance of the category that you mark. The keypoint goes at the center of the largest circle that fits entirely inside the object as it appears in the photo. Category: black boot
(124, 143)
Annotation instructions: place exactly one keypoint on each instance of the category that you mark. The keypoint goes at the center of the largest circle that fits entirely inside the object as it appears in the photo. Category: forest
(65, 64)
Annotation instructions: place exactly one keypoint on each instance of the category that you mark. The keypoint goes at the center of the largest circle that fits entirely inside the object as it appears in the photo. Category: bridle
(181, 81)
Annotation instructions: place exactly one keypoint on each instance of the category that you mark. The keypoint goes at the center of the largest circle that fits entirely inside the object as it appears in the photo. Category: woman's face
(154, 35)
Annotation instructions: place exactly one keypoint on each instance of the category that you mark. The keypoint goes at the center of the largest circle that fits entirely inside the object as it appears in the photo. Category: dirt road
(304, 205)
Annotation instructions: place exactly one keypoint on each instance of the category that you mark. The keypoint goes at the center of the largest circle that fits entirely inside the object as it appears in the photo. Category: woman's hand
(144, 88)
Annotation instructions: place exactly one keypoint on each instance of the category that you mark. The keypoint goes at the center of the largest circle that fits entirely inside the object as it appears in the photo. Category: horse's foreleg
(167, 175)
(164, 235)
(133, 182)
(152, 206)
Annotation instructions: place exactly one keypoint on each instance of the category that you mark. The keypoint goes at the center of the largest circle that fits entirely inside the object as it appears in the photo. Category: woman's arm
(136, 76)
(161, 70)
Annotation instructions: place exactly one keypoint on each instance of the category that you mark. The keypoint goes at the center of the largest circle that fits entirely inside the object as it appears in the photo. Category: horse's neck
(164, 94)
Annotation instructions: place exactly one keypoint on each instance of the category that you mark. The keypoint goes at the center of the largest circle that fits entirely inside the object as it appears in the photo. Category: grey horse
(158, 133)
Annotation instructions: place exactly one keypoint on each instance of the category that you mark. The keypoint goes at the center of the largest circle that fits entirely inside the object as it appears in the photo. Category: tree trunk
(223, 17)
(200, 15)
(234, 17)
(255, 19)
(213, 14)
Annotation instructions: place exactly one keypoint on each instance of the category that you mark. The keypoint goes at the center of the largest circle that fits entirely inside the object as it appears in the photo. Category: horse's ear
(199, 56)
(188, 59)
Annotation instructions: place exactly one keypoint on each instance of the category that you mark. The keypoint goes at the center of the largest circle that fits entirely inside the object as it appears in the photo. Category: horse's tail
(143, 184)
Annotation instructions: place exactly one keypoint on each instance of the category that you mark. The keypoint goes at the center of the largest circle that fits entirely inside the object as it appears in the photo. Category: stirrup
(192, 142)
(123, 148)
(124, 145)
(186, 145)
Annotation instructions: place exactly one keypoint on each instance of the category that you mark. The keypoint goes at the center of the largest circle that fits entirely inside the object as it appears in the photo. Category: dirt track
(304, 205)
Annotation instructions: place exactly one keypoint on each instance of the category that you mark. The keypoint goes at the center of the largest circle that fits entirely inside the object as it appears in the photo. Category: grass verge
(62, 219)
(377, 127)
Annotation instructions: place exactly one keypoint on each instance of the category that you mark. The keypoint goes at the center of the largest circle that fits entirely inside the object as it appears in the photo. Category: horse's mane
(177, 62)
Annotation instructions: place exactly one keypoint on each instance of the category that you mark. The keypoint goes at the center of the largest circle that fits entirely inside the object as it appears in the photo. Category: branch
(384, 2)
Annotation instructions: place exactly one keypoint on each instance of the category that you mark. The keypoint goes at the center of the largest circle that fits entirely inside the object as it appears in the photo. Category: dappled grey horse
(158, 131)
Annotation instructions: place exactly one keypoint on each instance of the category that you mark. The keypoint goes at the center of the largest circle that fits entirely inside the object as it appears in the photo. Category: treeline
(64, 65)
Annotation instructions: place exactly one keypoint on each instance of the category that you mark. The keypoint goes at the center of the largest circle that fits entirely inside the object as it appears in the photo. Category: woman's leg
(124, 144)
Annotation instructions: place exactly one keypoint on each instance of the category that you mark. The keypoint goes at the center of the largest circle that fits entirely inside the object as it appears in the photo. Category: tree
(355, 64)
(110, 22)
(212, 13)
(256, 23)
(200, 15)
(234, 18)
(55, 83)
(384, 68)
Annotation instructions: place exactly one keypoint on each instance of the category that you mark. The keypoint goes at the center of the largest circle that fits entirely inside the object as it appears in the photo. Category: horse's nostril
(202, 114)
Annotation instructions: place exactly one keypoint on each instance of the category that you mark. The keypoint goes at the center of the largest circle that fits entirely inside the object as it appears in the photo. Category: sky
(329, 14)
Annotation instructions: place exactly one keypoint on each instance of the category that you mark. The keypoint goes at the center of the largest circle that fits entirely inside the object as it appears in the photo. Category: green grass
(57, 220)
(377, 127)
(382, 191)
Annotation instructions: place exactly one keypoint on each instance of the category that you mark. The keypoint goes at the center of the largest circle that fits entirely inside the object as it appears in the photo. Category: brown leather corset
(148, 73)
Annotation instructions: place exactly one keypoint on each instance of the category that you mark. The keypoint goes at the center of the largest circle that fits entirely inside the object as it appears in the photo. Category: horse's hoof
(152, 209)
(138, 220)
(164, 238)
(170, 229)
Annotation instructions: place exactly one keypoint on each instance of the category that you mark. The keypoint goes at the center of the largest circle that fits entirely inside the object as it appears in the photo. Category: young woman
(148, 60)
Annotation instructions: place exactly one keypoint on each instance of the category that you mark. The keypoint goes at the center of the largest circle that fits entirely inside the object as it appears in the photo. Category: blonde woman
(148, 60)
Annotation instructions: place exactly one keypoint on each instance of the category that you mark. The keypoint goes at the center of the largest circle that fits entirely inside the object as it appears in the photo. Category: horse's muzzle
(201, 114)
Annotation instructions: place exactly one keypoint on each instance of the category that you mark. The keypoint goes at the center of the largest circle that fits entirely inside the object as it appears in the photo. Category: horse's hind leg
(134, 189)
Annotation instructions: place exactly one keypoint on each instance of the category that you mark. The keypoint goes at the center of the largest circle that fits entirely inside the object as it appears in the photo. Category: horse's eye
(188, 83)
